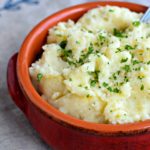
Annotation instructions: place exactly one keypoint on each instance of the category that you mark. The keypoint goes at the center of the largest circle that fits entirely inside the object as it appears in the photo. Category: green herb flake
(118, 33)
(71, 63)
(132, 55)
(81, 62)
(90, 49)
(111, 10)
(126, 79)
(142, 87)
(118, 50)
(110, 89)
(70, 79)
(80, 85)
(90, 31)
(138, 69)
(88, 95)
(136, 23)
(93, 83)
(123, 60)
(65, 54)
(134, 62)
(39, 77)
(121, 83)
(128, 47)
(63, 44)
(127, 68)
(86, 87)
(116, 90)
(105, 84)
(140, 77)
(78, 42)
(101, 37)
(114, 76)
(148, 62)
(118, 72)
(85, 56)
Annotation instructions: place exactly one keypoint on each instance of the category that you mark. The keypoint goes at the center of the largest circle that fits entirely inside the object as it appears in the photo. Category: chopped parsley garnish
(90, 31)
(80, 85)
(118, 50)
(110, 89)
(118, 72)
(127, 68)
(88, 95)
(63, 44)
(78, 42)
(128, 47)
(105, 84)
(111, 10)
(142, 87)
(93, 83)
(118, 33)
(132, 55)
(134, 62)
(39, 77)
(101, 37)
(138, 69)
(71, 62)
(126, 79)
(90, 49)
(85, 56)
(148, 62)
(116, 90)
(81, 62)
(86, 87)
(65, 54)
(114, 76)
(70, 79)
(124, 60)
(140, 77)
(136, 23)
(94, 78)
(96, 72)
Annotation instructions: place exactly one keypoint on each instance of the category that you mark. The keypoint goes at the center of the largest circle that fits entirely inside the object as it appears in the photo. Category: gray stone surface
(16, 133)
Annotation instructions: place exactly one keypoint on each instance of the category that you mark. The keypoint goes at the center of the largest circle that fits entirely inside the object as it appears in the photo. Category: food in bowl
(97, 69)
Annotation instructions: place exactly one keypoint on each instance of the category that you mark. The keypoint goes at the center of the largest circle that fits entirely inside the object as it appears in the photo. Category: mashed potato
(97, 69)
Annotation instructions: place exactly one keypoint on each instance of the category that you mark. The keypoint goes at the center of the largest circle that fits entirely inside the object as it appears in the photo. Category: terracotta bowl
(61, 131)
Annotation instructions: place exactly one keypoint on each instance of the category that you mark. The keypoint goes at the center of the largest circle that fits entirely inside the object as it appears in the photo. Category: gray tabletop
(17, 17)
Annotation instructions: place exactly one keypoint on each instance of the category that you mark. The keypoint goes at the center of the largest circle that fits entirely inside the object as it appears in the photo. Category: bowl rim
(36, 99)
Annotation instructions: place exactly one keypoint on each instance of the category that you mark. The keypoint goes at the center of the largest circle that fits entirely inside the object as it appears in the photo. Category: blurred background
(17, 18)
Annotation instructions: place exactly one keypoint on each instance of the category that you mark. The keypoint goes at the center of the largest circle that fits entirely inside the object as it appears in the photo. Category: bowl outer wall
(32, 45)
(61, 137)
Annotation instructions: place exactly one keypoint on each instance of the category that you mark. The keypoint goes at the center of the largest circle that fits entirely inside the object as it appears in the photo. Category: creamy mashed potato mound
(98, 68)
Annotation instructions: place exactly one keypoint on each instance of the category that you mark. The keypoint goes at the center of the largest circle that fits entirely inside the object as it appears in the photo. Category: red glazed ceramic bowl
(61, 131)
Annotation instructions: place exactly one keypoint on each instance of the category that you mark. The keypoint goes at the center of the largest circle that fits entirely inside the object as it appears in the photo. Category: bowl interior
(31, 48)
